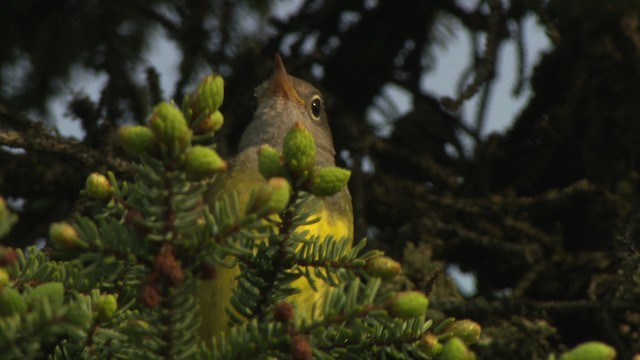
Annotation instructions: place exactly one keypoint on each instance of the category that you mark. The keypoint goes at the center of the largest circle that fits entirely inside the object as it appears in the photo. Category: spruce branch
(33, 136)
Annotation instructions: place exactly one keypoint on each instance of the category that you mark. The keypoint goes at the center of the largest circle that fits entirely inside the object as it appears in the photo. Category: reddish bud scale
(283, 312)
(301, 348)
(167, 265)
(150, 295)
(8, 256)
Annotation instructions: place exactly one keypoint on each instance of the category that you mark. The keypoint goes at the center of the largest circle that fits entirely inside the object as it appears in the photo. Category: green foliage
(546, 209)
(129, 290)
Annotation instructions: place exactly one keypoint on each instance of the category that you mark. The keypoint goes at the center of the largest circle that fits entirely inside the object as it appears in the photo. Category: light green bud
(456, 349)
(329, 180)
(208, 96)
(409, 304)
(211, 123)
(98, 186)
(105, 307)
(273, 195)
(592, 350)
(169, 126)
(203, 162)
(269, 163)
(430, 345)
(299, 149)
(64, 236)
(383, 267)
(467, 330)
(137, 140)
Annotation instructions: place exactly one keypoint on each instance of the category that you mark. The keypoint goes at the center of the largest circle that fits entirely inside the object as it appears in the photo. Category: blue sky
(450, 61)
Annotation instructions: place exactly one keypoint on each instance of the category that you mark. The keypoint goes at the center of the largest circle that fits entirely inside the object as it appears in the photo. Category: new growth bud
(467, 330)
(137, 140)
(430, 345)
(97, 186)
(455, 349)
(383, 267)
(203, 162)
(210, 124)
(409, 304)
(169, 126)
(273, 195)
(105, 307)
(64, 236)
(329, 181)
(592, 350)
(208, 96)
(269, 163)
(299, 149)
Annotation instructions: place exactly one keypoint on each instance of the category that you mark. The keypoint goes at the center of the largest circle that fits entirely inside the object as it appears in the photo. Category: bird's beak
(281, 84)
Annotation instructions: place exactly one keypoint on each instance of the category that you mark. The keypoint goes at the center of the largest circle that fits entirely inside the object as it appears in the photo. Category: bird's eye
(316, 107)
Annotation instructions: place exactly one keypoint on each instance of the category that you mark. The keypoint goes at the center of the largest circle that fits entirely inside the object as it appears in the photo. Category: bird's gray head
(282, 101)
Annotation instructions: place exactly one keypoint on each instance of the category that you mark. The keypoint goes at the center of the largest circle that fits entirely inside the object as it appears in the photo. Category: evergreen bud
(167, 265)
(467, 330)
(299, 149)
(8, 256)
(455, 349)
(430, 345)
(269, 163)
(329, 180)
(409, 304)
(273, 195)
(11, 302)
(105, 307)
(169, 126)
(137, 140)
(301, 348)
(592, 350)
(52, 291)
(211, 123)
(208, 96)
(203, 162)
(98, 186)
(383, 267)
(65, 236)
(283, 312)
(150, 295)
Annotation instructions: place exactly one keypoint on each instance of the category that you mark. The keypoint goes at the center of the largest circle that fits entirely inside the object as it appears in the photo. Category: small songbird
(282, 102)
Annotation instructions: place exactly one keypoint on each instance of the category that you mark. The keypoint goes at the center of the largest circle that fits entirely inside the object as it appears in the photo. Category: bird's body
(282, 102)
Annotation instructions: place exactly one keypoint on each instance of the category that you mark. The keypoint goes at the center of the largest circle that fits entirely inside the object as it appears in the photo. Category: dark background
(543, 214)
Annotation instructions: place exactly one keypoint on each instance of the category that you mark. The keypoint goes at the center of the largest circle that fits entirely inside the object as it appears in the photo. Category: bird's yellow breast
(214, 295)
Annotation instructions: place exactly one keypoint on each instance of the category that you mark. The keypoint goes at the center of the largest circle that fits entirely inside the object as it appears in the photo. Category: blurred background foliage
(544, 214)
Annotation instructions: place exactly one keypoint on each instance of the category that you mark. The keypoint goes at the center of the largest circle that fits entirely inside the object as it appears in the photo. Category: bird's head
(282, 101)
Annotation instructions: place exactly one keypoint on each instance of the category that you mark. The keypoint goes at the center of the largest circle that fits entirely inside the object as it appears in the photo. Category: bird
(282, 101)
